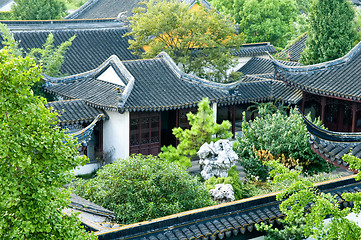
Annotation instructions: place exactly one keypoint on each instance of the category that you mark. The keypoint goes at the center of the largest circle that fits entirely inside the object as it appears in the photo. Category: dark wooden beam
(323, 105)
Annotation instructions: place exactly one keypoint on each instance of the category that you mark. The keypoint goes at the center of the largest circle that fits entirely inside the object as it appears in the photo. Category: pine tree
(203, 129)
(332, 32)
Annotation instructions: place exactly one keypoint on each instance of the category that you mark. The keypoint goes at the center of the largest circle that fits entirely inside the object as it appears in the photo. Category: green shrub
(279, 134)
(5, 15)
(141, 188)
(240, 189)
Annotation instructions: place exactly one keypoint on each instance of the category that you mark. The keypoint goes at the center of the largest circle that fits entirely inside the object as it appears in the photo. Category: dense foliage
(203, 129)
(278, 133)
(199, 40)
(34, 160)
(50, 58)
(268, 20)
(144, 187)
(304, 220)
(38, 9)
(332, 31)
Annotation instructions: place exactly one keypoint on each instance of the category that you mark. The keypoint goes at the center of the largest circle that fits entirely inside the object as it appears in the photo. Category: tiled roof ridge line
(191, 78)
(85, 133)
(54, 21)
(112, 59)
(256, 44)
(77, 29)
(319, 66)
(80, 10)
(129, 87)
(226, 208)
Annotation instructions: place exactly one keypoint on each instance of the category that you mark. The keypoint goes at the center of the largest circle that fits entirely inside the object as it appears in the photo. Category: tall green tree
(38, 9)
(231, 7)
(200, 40)
(268, 20)
(332, 31)
(36, 158)
(49, 57)
(203, 129)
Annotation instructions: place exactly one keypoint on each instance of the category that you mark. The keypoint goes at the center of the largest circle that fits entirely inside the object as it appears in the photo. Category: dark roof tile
(75, 111)
(95, 41)
(224, 220)
(337, 78)
(254, 49)
(294, 50)
(157, 84)
(97, 9)
(258, 65)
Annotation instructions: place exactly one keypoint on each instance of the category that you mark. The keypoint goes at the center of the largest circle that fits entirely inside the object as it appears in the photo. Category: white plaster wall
(116, 134)
(214, 108)
(86, 169)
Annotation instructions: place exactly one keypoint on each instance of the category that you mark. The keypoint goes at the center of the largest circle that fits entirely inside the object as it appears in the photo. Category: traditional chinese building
(331, 90)
(146, 99)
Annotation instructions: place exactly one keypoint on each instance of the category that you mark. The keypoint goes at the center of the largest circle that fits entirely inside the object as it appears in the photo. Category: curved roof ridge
(112, 59)
(80, 10)
(192, 78)
(319, 66)
(57, 21)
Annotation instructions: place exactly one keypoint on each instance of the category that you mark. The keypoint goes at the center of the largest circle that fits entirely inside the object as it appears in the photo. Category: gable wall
(116, 135)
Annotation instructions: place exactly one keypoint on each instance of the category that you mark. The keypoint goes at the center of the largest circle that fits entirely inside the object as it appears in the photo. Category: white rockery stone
(216, 158)
(222, 193)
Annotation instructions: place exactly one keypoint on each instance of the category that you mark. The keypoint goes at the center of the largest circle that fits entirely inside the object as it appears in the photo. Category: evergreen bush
(279, 134)
(141, 188)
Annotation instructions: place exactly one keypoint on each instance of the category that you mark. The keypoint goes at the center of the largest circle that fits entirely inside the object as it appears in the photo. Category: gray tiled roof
(223, 221)
(157, 84)
(258, 65)
(337, 78)
(254, 49)
(334, 151)
(95, 9)
(95, 40)
(258, 89)
(75, 111)
(293, 51)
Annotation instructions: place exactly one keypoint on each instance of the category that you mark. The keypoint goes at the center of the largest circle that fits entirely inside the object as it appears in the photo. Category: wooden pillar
(354, 112)
(323, 105)
(304, 95)
(234, 121)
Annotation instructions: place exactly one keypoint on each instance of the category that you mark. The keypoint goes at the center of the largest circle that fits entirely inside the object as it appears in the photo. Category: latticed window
(145, 132)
